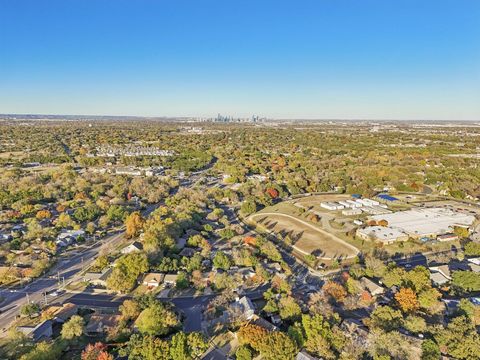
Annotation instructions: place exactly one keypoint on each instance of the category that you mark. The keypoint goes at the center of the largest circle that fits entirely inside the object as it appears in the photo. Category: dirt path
(321, 244)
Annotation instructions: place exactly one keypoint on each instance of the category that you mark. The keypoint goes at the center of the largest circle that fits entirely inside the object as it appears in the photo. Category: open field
(308, 238)
(12, 155)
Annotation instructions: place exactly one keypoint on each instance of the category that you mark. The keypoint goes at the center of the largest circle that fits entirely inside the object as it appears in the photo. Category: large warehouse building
(430, 222)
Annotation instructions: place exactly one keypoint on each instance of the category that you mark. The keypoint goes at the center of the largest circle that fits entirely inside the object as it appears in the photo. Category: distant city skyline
(368, 60)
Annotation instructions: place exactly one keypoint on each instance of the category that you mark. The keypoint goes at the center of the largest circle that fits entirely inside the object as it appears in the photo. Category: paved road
(66, 270)
(191, 307)
(69, 269)
(412, 261)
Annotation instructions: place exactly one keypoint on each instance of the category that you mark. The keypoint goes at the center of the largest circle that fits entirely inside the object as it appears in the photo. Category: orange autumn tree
(43, 214)
(406, 299)
(272, 192)
(250, 240)
(252, 335)
(134, 223)
(96, 352)
(334, 291)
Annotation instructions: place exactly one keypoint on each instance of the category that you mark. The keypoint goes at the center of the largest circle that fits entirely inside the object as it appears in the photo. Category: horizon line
(194, 117)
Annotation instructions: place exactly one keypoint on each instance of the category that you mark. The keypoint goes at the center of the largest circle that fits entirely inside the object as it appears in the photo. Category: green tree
(146, 348)
(278, 346)
(466, 281)
(100, 263)
(222, 261)
(459, 339)
(288, 308)
(126, 271)
(44, 351)
(129, 309)
(116, 213)
(390, 345)
(182, 280)
(187, 347)
(417, 279)
(428, 300)
(461, 232)
(29, 309)
(179, 347)
(393, 276)
(248, 207)
(472, 249)
(430, 350)
(156, 320)
(415, 324)
(384, 317)
(73, 328)
(375, 267)
(243, 353)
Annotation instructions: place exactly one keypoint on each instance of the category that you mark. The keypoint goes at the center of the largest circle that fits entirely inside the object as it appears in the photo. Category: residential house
(170, 279)
(5, 237)
(246, 273)
(69, 237)
(181, 242)
(373, 288)
(152, 280)
(475, 261)
(474, 267)
(451, 306)
(447, 237)
(245, 306)
(101, 323)
(356, 330)
(474, 264)
(440, 275)
(98, 278)
(60, 314)
(187, 252)
(276, 319)
(260, 321)
(134, 247)
(128, 171)
(214, 354)
(42, 331)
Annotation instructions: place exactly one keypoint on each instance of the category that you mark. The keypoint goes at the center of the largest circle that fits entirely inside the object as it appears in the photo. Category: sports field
(307, 238)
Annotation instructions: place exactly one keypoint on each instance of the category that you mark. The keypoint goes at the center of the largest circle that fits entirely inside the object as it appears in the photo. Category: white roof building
(331, 206)
(350, 212)
(384, 234)
(426, 222)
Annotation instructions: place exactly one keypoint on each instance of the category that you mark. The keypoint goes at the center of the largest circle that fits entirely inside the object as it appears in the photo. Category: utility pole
(58, 277)
(28, 298)
(46, 300)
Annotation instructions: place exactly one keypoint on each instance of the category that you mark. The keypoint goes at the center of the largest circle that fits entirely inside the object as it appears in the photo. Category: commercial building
(431, 222)
(350, 212)
(331, 206)
(385, 234)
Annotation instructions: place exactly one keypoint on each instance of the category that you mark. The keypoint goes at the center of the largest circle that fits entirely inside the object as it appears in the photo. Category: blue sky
(378, 59)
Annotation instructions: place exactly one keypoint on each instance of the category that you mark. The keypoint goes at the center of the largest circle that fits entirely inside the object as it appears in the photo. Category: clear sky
(359, 59)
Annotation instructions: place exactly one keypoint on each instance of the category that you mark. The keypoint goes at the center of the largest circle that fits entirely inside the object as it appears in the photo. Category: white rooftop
(384, 233)
(418, 222)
